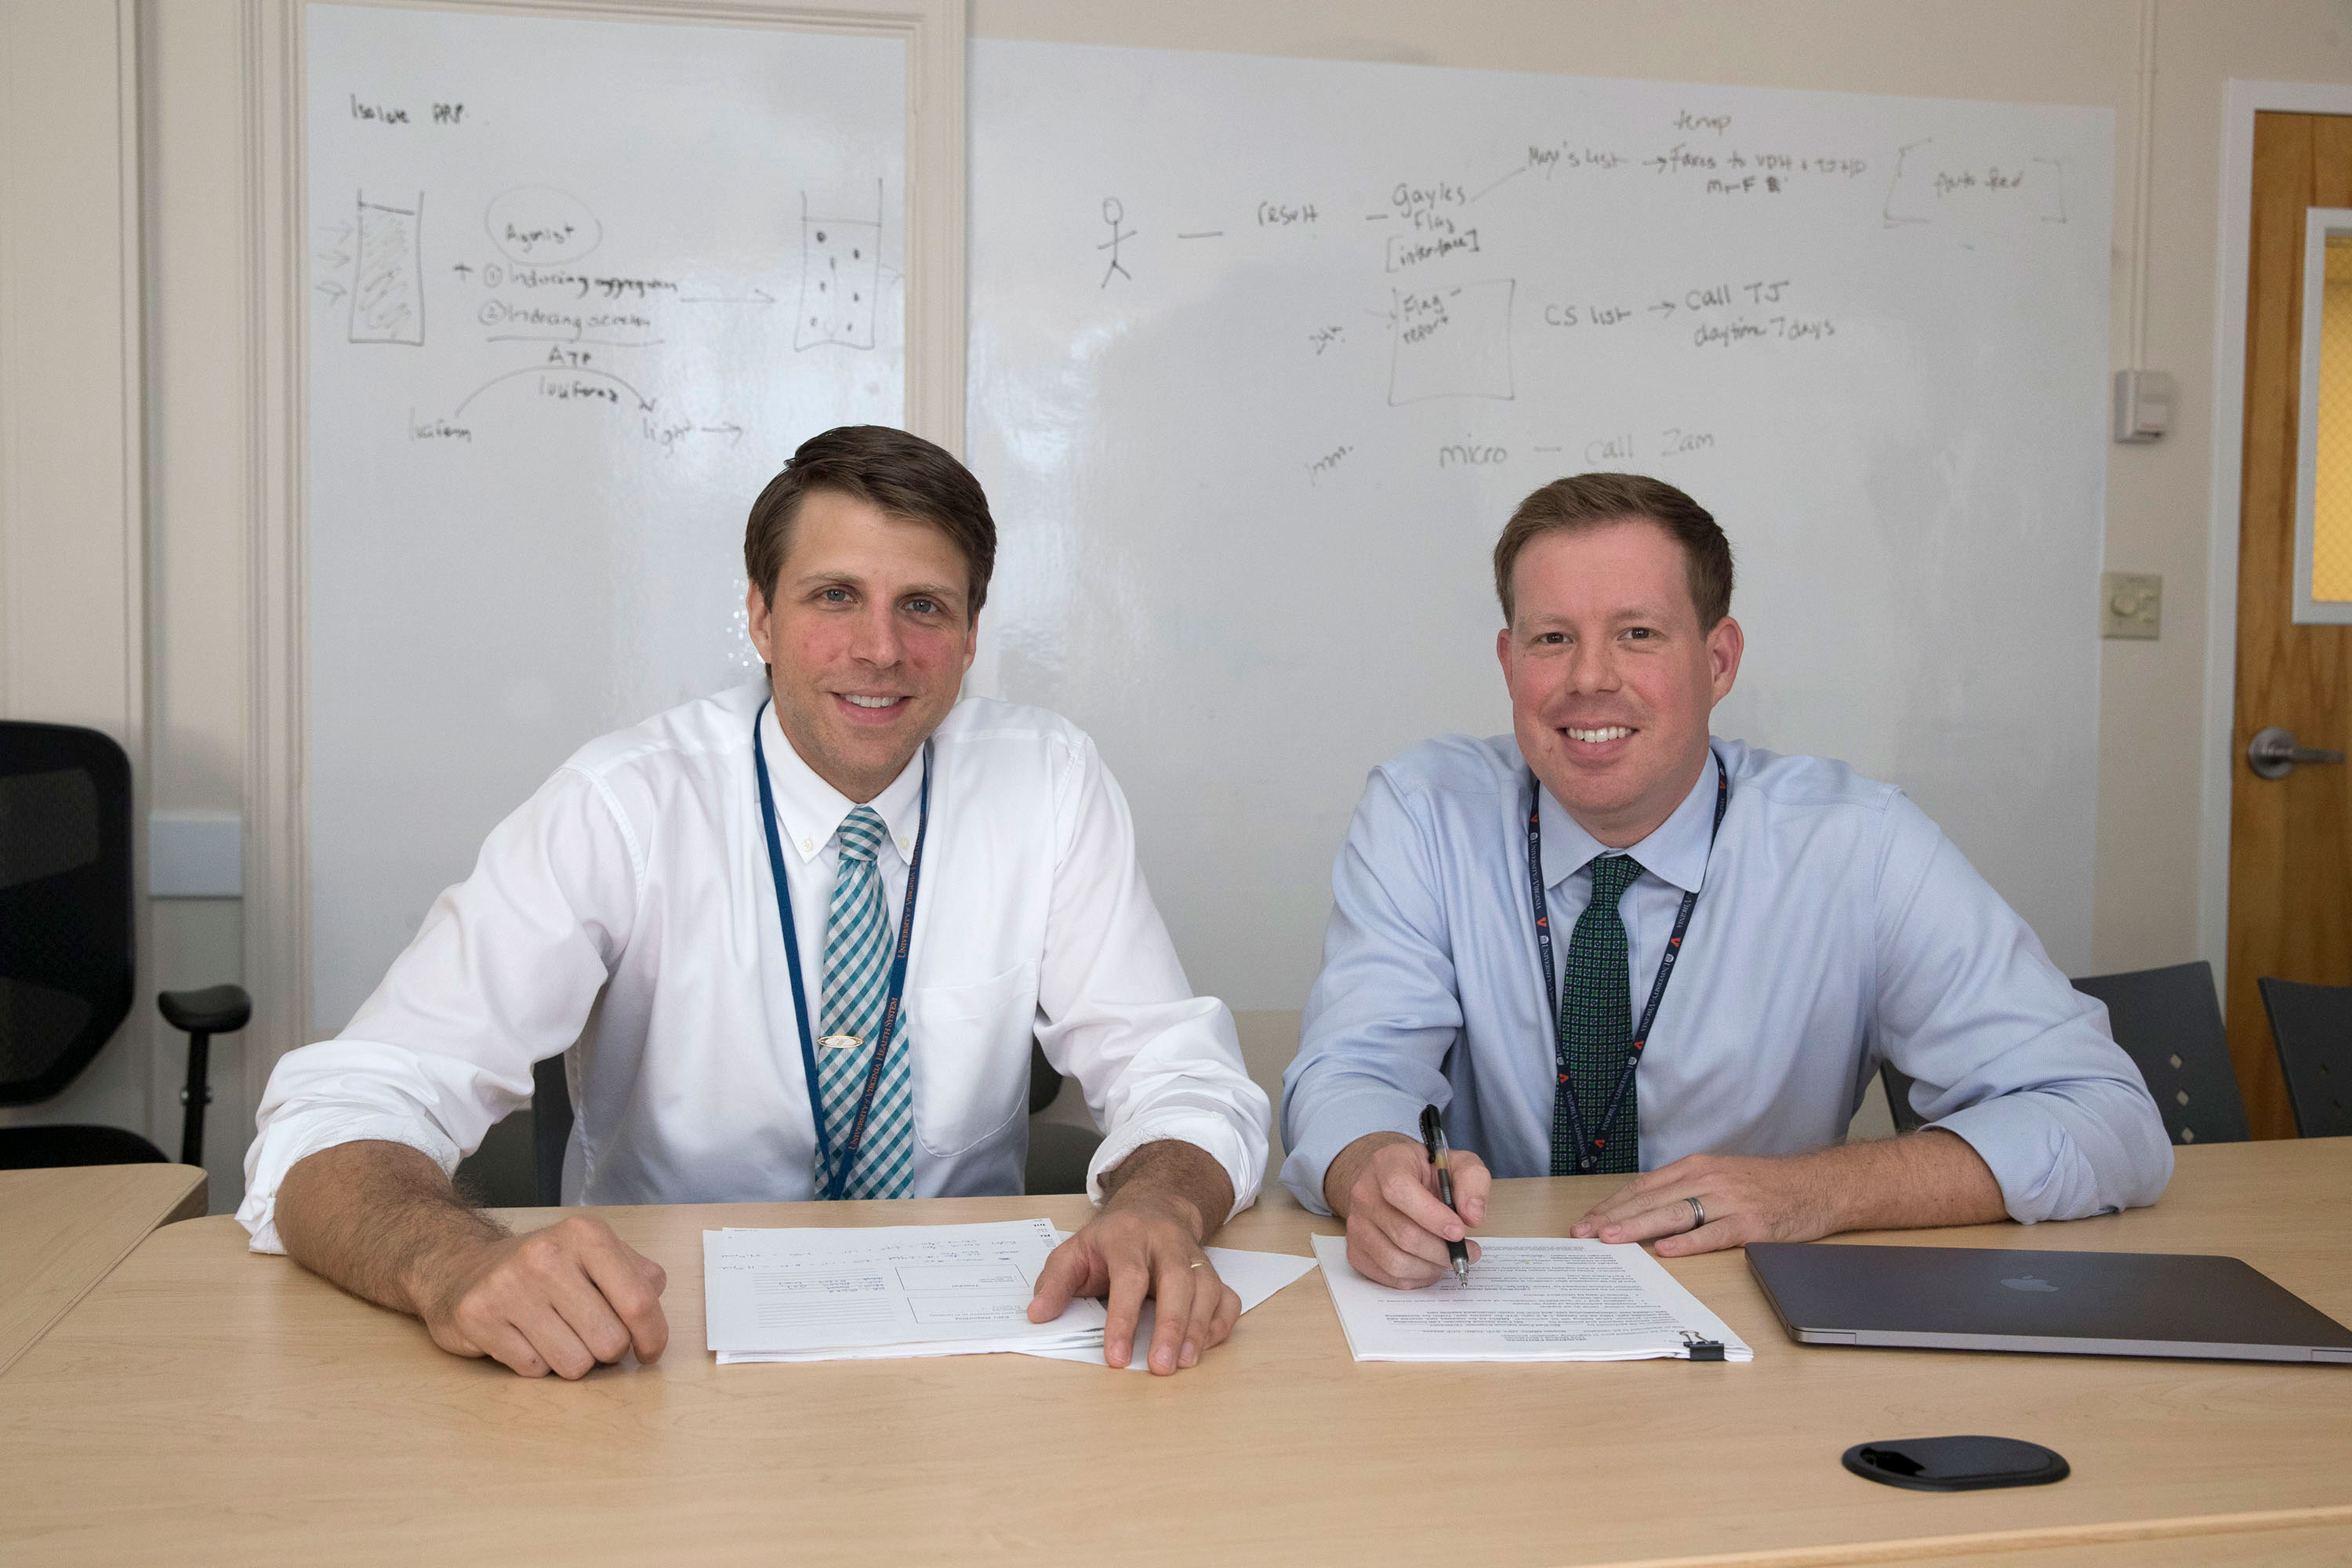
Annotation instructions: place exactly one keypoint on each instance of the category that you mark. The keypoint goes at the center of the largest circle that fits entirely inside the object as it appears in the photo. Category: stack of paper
(1529, 1298)
(829, 1294)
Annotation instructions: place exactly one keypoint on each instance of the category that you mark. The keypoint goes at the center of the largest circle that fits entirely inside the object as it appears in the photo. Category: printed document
(1528, 1299)
(829, 1293)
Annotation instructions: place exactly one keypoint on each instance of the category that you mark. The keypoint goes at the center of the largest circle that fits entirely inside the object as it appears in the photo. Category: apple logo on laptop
(2028, 1283)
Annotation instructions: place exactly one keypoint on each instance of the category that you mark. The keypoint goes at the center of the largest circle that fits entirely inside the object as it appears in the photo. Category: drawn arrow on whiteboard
(1668, 306)
(331, 290)
(644, 404)
(735, 432)
(757, 297)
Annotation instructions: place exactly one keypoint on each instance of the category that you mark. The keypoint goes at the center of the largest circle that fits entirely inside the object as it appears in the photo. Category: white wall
(78, 641)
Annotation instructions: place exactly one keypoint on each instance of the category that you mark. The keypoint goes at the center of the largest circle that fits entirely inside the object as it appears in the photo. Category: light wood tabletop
(62, 1229)
(217, 1407)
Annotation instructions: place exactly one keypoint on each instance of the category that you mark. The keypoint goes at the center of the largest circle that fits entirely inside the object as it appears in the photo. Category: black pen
(1433, 1138)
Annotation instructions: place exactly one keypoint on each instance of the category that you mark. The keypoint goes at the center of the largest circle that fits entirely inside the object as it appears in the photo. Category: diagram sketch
(1114, 213)
(1931, 182)
(539, 225)
(1452, 343)
(841, 278)
(388, 295)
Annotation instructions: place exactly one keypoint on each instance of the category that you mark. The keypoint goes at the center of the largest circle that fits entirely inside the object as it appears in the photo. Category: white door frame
(2242, 101)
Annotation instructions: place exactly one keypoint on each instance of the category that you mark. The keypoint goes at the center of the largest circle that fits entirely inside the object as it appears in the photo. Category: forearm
(1927, 1179)
(1173, 1176)
(379, 1219)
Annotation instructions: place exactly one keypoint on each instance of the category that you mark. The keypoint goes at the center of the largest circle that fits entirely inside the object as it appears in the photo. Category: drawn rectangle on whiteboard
(841, 274)
(1453, 342)
(388, 293)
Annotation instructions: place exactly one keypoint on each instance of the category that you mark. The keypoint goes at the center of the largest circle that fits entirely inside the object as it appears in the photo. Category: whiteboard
(1264, 351)
(576, 289)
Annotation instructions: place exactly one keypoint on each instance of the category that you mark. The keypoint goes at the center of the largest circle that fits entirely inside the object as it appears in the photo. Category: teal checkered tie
(860, 942)
(1596, 1026)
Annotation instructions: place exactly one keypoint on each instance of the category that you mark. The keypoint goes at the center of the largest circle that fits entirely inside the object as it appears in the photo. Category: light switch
(2131, 605)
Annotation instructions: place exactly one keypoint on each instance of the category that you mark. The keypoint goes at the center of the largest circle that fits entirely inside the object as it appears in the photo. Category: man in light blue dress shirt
(1834, 926)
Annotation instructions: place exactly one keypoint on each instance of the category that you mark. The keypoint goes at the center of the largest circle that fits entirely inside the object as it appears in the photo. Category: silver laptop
(2079, 1303)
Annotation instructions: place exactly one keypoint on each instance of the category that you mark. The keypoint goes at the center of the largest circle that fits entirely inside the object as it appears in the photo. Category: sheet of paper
(1255, 1275)
(819, 1293)
(1528, 1299)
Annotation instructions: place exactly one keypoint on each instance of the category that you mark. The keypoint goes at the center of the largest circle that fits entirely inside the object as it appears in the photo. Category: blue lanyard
(839, 1182)
(1588, 1143)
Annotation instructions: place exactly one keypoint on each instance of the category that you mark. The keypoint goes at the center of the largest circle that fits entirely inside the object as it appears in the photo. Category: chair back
(1898, 1098)
(550, 1127)
(66, 955)
(2312, 1025)
(2168, 1021)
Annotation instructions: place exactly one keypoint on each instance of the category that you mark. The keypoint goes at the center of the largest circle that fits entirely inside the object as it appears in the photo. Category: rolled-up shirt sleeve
(502, 975)
(1155, 1061)
(2005, 1053)
(1384, 1010)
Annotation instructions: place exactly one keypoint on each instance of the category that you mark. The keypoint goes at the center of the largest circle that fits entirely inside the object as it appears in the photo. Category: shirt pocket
(970, 1045)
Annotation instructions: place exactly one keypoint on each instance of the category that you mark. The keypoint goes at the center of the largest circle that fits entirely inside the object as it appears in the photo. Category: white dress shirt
(626, 915)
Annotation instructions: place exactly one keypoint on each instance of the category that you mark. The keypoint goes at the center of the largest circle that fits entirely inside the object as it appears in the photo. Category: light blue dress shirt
(1836, 927)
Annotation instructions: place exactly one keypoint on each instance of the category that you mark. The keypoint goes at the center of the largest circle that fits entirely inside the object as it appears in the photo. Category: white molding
(2242, 100)
(2318, 225)
(277, 854)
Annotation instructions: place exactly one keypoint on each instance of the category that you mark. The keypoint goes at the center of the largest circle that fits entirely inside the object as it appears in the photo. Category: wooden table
(61, 1230)
(213, 1407)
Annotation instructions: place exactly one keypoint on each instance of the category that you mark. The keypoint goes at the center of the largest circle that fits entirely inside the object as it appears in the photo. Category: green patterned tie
(860, 943)
(1596, 1025)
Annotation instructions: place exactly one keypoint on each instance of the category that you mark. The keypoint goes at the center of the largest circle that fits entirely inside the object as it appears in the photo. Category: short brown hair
(902, 475)
(1591, 500)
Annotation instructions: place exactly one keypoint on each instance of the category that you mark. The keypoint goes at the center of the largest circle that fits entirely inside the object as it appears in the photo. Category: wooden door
(2290, 838)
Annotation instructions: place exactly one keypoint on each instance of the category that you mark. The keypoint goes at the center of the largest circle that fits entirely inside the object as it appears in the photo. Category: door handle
(2273, 753)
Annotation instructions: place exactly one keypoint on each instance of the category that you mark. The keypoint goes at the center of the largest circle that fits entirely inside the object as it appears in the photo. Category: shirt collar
(1676, 852)
(809, 811)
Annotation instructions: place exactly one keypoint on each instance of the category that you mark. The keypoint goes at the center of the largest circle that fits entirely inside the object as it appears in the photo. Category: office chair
(2311, 1026)
(1059, 1154)
(521, 1161)
(66, 954)
(2168, 1021)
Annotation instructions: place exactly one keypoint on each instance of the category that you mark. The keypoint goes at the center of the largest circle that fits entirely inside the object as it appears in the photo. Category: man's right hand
(1386, 1189)
(562, 1299)
(379, 1220)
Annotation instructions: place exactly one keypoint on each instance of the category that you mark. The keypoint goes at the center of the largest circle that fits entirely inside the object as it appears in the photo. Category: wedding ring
(1699, 1213)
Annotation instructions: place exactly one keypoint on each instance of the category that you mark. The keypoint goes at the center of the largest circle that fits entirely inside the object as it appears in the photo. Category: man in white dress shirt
(629, 914)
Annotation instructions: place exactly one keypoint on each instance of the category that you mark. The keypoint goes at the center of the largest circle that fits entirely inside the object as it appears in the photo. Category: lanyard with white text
(839, 1180)
(1588, 1146)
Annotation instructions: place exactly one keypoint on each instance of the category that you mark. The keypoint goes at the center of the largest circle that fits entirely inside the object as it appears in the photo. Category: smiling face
(867, 637)
(1611, 677)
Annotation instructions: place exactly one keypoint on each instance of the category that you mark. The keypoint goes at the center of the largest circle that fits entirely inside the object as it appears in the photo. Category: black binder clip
(1698, 1349)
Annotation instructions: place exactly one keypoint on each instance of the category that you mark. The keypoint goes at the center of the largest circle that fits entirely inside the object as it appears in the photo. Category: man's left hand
(1929, 1178)
(1146, 1241)
(1745, 1199)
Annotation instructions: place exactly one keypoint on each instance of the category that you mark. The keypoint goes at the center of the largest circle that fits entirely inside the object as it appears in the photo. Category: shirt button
(808, 844)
